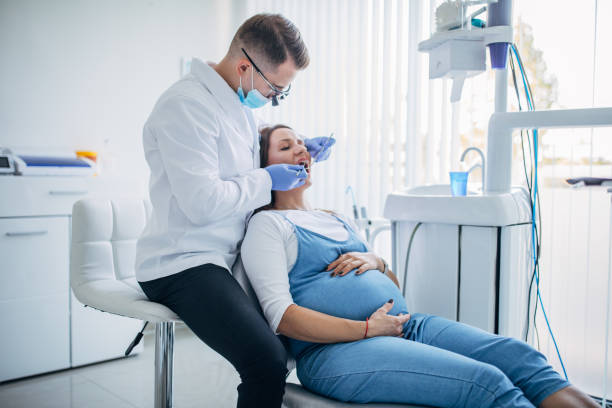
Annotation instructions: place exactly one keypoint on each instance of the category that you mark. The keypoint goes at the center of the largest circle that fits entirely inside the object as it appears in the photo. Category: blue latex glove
(286, 176)
(315, 144)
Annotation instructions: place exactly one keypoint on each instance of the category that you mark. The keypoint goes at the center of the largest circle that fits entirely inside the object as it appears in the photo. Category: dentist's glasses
(278, 93)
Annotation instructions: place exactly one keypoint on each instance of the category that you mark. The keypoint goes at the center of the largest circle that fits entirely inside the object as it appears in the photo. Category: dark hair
(264, 146)
(273, 38)
(264, 142)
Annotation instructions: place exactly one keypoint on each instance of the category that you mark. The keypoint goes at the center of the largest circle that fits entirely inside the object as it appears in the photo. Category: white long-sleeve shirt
(269, 252)
(202, 147)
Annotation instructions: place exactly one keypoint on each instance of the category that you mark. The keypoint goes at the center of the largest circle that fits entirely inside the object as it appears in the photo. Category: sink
(434, 204)
(440, 190)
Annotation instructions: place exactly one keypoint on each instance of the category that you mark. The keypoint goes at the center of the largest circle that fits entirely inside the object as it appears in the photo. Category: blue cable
(533, 210)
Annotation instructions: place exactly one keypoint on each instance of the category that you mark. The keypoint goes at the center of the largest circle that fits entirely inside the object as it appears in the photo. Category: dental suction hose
(349, 189)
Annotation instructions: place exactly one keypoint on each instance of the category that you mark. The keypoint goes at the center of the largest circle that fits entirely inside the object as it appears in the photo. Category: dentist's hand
(383, 324)
(286, 176)
(315, 144)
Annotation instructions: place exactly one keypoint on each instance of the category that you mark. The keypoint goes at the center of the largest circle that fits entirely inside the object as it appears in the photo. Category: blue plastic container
(458, 182)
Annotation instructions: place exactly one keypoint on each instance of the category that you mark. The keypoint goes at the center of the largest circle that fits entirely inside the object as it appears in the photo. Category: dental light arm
(501, 125)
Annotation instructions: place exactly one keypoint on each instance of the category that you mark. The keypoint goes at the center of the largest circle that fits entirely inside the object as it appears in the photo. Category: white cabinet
(37, 196)
(44, 327)
(34, 296)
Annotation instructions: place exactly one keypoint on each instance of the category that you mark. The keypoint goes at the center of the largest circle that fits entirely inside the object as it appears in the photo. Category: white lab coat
(202, 147)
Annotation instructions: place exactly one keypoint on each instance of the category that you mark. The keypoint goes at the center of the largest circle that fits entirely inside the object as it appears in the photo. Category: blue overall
(438, 362)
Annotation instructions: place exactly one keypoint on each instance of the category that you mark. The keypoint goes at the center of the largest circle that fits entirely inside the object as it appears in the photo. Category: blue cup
(458, 182)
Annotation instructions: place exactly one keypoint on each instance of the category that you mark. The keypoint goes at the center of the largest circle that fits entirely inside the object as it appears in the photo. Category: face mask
(254, 98)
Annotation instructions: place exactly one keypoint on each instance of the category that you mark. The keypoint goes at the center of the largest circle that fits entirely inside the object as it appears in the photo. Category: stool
(103, 249)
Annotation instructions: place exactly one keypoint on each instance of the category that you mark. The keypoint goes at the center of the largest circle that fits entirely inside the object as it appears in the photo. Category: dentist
(201, 143)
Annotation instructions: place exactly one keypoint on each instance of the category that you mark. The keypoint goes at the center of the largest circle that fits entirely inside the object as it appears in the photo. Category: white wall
(74, 73)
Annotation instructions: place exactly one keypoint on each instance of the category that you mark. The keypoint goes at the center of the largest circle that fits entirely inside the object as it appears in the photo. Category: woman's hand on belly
(362, 261)
(306, 324)
(383, 324)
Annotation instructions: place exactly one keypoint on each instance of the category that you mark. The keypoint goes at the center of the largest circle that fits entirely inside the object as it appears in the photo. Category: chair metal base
(164, 364)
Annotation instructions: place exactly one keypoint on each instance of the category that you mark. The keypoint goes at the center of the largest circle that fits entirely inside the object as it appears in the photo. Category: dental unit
(471, 258)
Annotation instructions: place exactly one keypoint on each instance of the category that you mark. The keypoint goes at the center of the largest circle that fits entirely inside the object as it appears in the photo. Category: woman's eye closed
(285, 148)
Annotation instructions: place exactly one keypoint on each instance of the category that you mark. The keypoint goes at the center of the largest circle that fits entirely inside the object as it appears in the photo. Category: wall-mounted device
(7, 163)
(36, 164)
(457, 49)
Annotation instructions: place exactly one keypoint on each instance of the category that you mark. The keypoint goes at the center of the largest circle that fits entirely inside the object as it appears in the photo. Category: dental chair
(103, 248)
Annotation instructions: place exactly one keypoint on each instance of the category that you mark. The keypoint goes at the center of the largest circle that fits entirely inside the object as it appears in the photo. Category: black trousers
(214, 306)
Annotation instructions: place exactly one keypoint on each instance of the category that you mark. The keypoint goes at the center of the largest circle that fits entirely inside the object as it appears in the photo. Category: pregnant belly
(351, 296)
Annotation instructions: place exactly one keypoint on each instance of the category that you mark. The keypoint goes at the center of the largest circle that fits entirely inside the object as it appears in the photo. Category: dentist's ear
(243, 66)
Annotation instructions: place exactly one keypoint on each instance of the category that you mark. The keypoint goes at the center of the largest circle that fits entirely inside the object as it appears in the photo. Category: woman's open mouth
(306, 165)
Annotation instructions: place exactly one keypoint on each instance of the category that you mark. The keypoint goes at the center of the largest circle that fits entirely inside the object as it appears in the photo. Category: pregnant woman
(347, 324)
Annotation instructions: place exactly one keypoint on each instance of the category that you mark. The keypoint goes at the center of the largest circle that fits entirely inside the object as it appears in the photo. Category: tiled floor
(201, 379)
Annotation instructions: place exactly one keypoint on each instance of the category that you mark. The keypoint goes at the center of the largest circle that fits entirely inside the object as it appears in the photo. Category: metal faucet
(481, 165)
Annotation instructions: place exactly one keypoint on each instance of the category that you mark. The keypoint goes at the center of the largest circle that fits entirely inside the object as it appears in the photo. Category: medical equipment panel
(515, 270)
(431, 281)
(472, 274)
(468, 266)
(478, 277)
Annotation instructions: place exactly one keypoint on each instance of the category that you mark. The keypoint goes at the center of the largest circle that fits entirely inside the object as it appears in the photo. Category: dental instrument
(589, 181)
(361, 219)
(355, 210)
(325, 146)
(364, 215)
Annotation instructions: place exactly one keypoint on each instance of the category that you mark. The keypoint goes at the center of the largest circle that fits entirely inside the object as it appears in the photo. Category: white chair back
(103, 249)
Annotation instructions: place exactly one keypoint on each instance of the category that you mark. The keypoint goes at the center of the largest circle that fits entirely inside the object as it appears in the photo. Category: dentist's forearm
(309, 325)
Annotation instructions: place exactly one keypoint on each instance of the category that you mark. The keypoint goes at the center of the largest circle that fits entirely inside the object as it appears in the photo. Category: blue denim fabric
(311, 286)
(438, 362)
